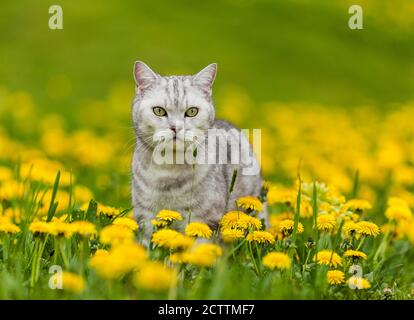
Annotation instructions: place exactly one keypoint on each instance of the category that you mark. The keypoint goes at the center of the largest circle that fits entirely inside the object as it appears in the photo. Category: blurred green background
(296, 50)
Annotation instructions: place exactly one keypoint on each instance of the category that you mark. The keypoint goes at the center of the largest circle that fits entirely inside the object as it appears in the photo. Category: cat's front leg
(145, 225)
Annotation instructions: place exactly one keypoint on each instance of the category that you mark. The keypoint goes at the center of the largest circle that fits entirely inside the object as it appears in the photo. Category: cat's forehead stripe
(169, 91)
(175, 91)
(182, 92)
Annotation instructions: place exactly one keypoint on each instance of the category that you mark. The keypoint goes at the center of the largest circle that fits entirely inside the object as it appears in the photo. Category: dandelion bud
(387, 293)
(310, 243)
(287, 243)
(346, 245)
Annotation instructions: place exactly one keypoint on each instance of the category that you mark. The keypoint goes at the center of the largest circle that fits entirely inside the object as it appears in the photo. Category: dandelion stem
(383, 245)
(63, 254)
(361, 243)
(34, 263)
(305, 264)
(6, 243)
(235, 248)
(232, 183)
(253, 258)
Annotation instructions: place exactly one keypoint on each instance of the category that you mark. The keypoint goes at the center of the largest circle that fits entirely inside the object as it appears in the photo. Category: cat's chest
(173, 189)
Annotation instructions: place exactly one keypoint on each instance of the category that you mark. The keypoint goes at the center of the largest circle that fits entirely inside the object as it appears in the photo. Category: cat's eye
(191, 112)
(158, 111)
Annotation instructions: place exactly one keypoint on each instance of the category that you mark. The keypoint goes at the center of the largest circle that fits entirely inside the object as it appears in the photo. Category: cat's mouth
(179, 139)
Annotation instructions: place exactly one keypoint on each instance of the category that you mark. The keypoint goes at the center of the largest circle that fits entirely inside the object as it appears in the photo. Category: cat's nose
(174, 129)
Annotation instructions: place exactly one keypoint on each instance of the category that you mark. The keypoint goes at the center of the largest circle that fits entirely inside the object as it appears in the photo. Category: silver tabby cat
(178, 107)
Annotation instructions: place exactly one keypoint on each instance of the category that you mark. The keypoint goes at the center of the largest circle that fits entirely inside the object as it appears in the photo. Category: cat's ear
(144, 76)
(205, 77)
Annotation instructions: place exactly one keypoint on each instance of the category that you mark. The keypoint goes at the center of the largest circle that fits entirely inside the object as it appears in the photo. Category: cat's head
(172, 107)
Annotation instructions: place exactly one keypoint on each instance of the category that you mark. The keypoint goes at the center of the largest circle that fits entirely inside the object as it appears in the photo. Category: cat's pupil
(159, 111)
(192, 112)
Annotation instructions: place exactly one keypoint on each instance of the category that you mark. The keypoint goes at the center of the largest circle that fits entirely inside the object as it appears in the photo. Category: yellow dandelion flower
(42, 169)
(254, 223)
(325, 207)
(159, 223)
(203, 255)
(8, 227)
(335, 277)
(181, 242)
(62, 198)
(40, 227)
(358, 283)
(278, 194)
(199, 230)
(169, 215)
(233, 220)
(83, 228)
(171, 239)
(5, 174)
(326, 222)
(131, 254)
(115, 235)
(249, 203)
(349, 228)
(14, 214)
(395, 201)
(333, 196)
(162, 238)
(261, 237)
(306, 210)
(231, 235)
(82, 194)
(282, 216)
(61, 229)
(276, 260)
(398, 213)
(275, 221)
(239, 220)
(176, 257)
(328, 258)
(120, 260)
(286, 227)
(355, 254)
(98, 259)
(11, 189)
(126, 222)
(350, 217)
(154, 276)
(107, 211)
(72, 282)
(367, 228)
(101, 253)
(358, 205)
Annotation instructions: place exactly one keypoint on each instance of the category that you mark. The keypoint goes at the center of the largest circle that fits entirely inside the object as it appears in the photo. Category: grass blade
(53, 205)
(356, 185)
(297, 212)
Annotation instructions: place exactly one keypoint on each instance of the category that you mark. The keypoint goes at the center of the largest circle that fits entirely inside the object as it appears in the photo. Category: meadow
(337, 156)
(348, 234)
